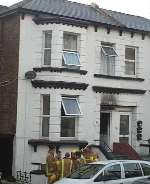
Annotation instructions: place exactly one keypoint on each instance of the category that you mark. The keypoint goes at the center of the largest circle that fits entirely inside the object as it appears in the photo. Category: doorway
(105, 127)
(6, 155)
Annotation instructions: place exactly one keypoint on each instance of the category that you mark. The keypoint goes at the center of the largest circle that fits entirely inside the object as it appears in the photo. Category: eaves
(22, 11)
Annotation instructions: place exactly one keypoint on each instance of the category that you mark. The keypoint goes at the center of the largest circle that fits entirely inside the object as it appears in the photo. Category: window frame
(105, 60)
(109, 47)
(72, 34)
(75, 130)
(73, 52)
(75, 117)
(44, 116)
(131, 61)
(70, 115)
(44, 48)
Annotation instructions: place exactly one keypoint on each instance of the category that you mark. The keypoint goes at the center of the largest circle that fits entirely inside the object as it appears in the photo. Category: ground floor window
(68, 126)
(70, 111)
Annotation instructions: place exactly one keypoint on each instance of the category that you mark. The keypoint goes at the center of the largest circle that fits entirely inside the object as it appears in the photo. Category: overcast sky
(135, 7)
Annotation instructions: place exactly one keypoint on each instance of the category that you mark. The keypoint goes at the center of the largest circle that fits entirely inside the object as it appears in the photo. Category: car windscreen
(86, 172)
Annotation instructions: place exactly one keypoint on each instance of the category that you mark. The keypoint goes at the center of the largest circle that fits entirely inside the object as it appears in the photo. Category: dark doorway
(105, 127)
(6, 155)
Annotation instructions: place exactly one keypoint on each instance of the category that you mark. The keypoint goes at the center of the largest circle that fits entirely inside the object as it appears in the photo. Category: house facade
(82, 77)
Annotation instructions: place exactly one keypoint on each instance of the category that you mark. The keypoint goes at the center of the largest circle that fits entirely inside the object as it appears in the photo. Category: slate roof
(85, 12)
(3, 8)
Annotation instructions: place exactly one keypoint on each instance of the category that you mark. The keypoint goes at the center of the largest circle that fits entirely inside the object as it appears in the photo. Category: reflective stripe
(63, 165)
(47, 172)
(71, 166)
(62, 170)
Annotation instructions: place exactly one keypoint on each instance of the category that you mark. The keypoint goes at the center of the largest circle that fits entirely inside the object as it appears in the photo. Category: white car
(109, 172)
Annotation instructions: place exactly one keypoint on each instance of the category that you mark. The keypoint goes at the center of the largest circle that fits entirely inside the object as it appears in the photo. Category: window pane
(132, 170)
(46, 104)
(71, 58)
(71, 106)
(130, 68)
(70, 42)
(67, 127)
(109, 51)
(111, 65)
(45, 126)
(124, 124)
(108, 64)
(130, 53)
(113, 172)
(47, 56)
(146, 169)
(48, 40)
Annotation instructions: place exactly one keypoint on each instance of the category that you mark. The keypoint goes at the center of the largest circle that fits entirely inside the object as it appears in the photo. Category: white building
(89, 81)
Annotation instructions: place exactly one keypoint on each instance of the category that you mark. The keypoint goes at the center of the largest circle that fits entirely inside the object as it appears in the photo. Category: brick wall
(9, 57)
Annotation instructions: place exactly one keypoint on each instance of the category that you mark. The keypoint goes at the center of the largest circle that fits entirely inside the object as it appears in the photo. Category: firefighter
(81, 160)
(89, 155)
(66, 165)
(74, 161)
(59, 165)
(51, 166)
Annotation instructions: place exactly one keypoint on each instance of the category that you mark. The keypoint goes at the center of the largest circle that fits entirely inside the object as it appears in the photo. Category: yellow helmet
(75, 150)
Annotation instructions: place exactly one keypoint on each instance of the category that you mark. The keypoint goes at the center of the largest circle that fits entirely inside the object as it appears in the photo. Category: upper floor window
(108, 55)
(70, 111)
(130, 59)
(47, 47)
(45, 115)
(70, 50)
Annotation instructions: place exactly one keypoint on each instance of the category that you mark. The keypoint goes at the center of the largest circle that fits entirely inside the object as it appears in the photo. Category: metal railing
(105, 146)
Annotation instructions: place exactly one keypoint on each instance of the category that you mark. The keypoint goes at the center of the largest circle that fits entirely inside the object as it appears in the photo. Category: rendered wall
(28, 113)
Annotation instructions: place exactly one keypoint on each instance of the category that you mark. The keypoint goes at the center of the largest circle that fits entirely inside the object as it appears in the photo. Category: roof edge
(20, 10)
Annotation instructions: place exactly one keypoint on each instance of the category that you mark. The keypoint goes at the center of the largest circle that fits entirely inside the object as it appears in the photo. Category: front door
(125, 127)
(105, 127)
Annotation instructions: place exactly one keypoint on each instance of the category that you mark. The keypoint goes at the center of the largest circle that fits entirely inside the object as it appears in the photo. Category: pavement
(7, 182)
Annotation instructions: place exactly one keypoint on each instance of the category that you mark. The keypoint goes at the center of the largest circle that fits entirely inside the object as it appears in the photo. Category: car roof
(106, 162)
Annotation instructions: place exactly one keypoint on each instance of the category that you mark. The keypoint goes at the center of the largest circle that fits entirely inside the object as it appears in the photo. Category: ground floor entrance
(115, 126)
(105, 127)
(6, 155)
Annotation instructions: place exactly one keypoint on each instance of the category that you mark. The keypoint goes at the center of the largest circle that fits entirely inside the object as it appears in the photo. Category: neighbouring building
(70, 75)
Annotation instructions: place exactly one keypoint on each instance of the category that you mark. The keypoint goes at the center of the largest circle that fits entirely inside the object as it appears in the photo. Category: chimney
(95, 6)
